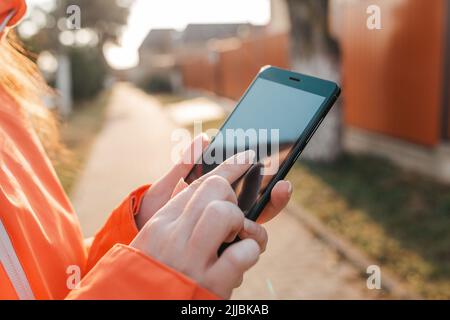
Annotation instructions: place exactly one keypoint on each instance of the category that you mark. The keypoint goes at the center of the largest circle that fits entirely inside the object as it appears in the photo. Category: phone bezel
(327, 89)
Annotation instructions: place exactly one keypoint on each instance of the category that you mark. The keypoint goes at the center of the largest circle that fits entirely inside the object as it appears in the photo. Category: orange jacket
(41, 245)
(19, 8)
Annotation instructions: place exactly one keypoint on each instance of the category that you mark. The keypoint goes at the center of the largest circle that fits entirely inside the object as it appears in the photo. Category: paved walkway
(134, 148)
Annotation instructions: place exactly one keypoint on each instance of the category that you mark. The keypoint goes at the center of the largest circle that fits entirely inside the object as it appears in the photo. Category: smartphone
(276, 117)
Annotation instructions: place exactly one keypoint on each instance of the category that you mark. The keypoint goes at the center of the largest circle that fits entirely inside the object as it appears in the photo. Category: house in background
(196, 36)
(226, 65)
(162, 49)
(396, 81)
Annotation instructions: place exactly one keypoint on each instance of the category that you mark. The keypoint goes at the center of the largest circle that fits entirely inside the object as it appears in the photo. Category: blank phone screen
(269, 119)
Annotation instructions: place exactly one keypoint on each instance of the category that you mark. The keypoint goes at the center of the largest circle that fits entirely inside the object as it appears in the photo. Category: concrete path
(296, 265)
(134, 148)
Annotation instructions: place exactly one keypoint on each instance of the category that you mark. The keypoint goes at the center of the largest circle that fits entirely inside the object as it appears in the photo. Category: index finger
(231, 170)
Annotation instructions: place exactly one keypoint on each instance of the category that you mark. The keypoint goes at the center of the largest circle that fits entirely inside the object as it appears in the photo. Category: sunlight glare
(177, 14)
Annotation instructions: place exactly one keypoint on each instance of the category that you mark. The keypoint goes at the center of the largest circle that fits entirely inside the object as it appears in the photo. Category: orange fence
(199, 72)
(228, 72)
(393, 77)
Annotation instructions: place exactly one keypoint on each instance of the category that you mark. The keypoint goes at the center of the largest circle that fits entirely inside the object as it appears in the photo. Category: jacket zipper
(12, 266)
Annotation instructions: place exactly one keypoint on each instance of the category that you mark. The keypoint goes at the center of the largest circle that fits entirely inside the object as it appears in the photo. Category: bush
(88, 72)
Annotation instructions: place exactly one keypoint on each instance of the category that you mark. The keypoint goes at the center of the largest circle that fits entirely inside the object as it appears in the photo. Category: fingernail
(245, 157)
(251, 155)
(204, 136)
(249, 226)
(289, 184)
(180, 186)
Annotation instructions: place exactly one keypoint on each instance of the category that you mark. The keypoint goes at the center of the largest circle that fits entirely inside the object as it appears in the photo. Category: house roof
(200, 33)
(160, 40)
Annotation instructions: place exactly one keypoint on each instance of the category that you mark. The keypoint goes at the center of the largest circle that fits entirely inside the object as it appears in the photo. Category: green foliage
(78, 133)
(105, 17)
(88, 72)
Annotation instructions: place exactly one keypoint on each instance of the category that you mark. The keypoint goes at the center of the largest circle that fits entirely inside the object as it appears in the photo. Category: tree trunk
(314, 52)
(64, 85)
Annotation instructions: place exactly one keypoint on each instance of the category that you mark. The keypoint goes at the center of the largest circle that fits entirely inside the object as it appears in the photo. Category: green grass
(77, 135)
(399, 218)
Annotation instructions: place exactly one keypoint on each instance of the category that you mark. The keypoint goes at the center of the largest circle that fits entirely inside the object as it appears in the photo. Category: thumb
(187, 160)
(163, 188)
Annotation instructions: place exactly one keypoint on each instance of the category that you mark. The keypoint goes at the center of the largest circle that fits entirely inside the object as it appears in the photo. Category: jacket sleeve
(126, 273)
(119, 228)
(117, 271)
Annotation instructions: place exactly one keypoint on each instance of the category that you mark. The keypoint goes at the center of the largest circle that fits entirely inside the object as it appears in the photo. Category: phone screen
(269, 119)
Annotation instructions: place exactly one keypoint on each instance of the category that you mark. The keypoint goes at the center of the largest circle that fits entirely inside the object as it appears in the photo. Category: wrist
(136, 204)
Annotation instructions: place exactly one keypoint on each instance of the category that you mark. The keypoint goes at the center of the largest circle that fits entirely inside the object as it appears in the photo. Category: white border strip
(13, 268)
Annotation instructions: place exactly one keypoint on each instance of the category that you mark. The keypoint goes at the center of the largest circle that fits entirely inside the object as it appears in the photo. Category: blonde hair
(21, 79)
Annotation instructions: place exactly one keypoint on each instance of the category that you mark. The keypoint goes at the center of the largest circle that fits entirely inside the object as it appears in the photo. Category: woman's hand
(173, 182)
(162, 190)
(187, 232)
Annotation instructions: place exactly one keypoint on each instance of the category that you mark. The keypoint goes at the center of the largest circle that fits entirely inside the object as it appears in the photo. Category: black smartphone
(276, 117)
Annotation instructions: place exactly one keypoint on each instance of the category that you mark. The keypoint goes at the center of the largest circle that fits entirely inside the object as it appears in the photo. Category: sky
(150, 14)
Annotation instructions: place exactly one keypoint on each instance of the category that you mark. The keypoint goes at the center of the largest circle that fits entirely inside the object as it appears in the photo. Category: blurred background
(372, 187)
